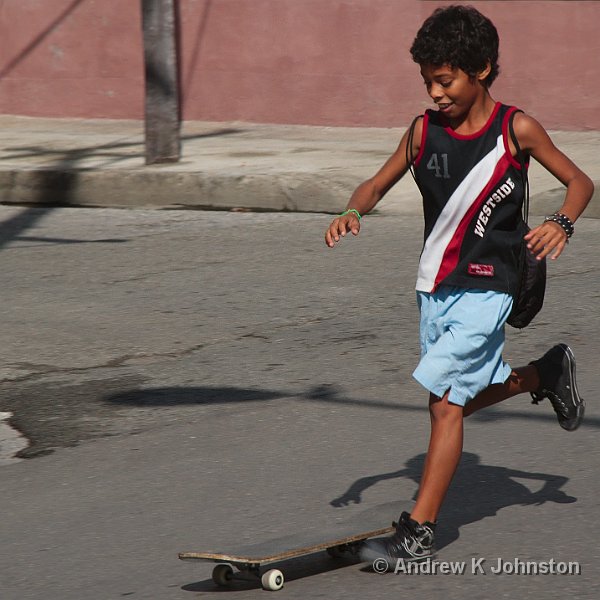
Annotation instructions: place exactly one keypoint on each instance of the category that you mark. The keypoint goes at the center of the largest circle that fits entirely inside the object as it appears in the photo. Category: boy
(466, 170)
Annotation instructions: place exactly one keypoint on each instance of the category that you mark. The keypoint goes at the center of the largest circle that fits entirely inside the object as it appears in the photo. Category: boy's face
(452, 90)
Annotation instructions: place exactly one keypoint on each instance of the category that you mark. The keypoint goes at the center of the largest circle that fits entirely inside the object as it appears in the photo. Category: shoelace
(556, 399)
(411, 540)
(537, 397)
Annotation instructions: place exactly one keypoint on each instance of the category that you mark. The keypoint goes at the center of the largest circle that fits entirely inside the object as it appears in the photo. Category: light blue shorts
(462, 338)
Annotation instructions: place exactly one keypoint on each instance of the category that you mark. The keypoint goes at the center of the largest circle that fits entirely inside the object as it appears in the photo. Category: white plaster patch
(11, 441)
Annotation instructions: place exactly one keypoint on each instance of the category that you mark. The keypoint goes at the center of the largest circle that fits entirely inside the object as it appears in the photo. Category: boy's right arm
(371, 191)
(549, 238)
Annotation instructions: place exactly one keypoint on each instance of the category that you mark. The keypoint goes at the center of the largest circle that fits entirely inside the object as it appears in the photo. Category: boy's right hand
(340, 226)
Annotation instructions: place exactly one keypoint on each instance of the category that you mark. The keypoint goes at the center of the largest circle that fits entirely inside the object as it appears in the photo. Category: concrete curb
(299, 192)
(154, 188)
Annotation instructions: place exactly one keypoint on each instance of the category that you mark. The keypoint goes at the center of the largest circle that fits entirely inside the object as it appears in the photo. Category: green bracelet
(351, 210)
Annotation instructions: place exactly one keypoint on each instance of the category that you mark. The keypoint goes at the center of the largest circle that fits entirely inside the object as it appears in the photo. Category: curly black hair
(461, 37)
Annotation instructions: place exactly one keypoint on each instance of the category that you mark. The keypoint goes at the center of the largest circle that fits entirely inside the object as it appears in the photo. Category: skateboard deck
(346, 538)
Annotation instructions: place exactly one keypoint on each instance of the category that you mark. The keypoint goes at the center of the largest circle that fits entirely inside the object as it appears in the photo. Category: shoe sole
(576, 399)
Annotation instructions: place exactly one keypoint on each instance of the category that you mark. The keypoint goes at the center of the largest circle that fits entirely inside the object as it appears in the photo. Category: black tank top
(473, 194)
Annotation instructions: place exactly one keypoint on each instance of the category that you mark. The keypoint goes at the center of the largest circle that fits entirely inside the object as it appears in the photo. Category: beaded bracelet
(563, 221)
(350, 210)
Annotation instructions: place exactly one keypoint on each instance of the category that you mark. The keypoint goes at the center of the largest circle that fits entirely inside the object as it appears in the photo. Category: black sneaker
(411, 542)
(556, 370)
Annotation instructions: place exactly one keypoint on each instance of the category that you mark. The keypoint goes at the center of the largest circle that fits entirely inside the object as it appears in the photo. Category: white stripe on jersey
(452, 214)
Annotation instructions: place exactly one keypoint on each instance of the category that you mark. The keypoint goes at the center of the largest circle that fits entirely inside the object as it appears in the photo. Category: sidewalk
(225, 166)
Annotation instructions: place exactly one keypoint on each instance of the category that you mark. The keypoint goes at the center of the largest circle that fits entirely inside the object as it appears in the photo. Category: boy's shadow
(477, 491)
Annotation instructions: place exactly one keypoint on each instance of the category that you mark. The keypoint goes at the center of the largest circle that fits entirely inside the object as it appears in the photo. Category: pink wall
(75, 58)
(325, 62)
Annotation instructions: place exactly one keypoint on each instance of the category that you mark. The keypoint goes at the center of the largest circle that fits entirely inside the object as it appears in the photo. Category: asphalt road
(188, 380)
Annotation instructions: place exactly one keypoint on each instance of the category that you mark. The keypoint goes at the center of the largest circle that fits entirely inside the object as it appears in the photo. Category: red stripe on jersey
(452, 252)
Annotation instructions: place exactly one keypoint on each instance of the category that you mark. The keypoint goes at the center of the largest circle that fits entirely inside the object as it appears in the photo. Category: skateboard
(255, 561)
(250, 562)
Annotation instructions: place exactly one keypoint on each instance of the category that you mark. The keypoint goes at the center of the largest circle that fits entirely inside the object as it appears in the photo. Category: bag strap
(410, 159)
(521, 159)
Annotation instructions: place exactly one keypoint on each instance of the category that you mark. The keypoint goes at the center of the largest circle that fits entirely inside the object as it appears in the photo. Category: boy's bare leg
(445, 444)
(443, 455)
(522, 379)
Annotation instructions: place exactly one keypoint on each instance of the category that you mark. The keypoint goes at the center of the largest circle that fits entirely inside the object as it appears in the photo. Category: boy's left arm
(550, 237)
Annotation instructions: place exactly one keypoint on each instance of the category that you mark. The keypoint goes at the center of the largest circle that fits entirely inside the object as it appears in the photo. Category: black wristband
(563, 221)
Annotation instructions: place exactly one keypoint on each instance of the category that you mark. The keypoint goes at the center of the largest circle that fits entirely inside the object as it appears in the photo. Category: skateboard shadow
(488, 488)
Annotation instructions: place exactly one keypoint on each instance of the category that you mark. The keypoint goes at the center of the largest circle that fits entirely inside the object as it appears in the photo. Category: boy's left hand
(546, 238)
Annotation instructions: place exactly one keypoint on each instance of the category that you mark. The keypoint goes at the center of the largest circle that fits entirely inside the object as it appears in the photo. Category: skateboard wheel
(222, 575)
(272, 580)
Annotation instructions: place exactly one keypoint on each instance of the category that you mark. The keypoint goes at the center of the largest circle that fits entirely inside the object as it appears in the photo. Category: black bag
(529, 298)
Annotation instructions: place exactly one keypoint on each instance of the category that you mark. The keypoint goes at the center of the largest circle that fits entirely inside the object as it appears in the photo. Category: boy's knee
(442, 410)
